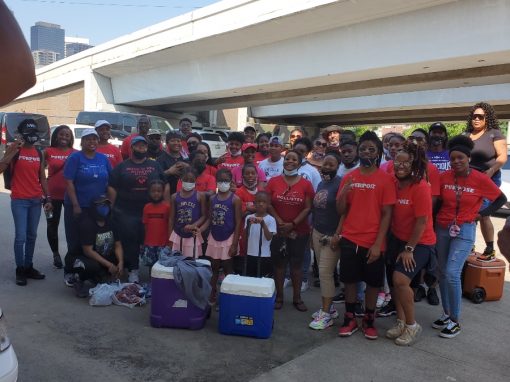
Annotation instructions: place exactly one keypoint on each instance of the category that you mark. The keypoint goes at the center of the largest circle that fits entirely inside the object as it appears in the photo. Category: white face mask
(188, 186)
(223, 186)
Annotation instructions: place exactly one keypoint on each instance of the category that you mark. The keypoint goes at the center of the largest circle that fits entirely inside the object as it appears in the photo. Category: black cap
(438, 126)
(27, 124)
(101, 199)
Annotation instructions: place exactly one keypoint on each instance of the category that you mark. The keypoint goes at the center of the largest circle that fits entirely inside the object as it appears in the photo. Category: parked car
(116, 139)
(9, 127)
(217, 145)
(8, 359)
(223, 133)
(121, 121)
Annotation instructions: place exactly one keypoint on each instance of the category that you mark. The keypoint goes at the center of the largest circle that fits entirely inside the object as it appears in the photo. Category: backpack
(10, 169)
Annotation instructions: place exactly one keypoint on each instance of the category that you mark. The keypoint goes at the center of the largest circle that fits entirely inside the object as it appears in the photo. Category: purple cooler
(169, 306)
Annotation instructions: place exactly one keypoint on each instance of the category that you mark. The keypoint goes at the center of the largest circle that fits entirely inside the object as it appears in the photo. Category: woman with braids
(462, 192)
(488, 156)
(412, 239)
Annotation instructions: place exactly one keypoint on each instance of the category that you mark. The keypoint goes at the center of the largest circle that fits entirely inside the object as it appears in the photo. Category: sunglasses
(319, 143)
(481, 117)
(295, 136)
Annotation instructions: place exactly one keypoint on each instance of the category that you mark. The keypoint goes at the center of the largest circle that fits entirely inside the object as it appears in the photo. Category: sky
(99, 20)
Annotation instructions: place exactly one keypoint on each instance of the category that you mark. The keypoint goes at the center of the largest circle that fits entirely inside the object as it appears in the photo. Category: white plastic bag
(102, 294)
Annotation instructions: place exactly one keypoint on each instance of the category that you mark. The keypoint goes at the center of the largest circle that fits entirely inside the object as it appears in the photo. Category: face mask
(386, 153)
(236, 154)
(153, 147)
(200, 167)
(102, 210)
(367, 162)
(188, 186)
(223, 186)
(328, 175)
(30, 137)
(317, 155)
(290, 172)
(139, 155)
(436, 141)
(250, 185)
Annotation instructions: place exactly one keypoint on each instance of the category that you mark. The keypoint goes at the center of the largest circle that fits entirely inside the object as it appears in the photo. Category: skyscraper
(47, 37)
(76, 45)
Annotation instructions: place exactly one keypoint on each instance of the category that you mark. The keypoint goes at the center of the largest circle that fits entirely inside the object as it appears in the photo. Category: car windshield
(78, 132)
(211, 137)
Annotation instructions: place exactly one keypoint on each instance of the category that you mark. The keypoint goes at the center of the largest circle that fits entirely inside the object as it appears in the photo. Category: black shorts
(286, 250)
(354, 267)
(422, 256)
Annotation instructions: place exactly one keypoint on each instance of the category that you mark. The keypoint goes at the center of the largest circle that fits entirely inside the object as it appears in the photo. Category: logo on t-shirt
(453, 187)
(403, 201)
(29, 159)
(363, 186)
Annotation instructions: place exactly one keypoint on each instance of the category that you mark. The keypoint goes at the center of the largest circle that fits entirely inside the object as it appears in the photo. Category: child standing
(256, 224)
(155, 220)
(225, 217)
(187, 217)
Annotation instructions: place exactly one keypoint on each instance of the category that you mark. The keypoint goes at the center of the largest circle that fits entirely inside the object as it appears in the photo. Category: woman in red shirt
(291, 199)
(412, 239)
(28, 188)
(210, 168)
(55, 156)
(262, 147)
(462, 192)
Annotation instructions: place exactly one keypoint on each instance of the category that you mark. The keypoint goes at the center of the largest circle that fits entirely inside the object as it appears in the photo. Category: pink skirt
(187, 245)
(218, 250)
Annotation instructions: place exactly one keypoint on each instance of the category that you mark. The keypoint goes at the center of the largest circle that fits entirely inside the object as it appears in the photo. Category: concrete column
(98, 93)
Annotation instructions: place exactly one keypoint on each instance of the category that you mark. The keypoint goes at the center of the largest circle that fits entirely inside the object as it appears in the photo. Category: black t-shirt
(483, 155)
(131, 181)
(102, 238)
(166, 161)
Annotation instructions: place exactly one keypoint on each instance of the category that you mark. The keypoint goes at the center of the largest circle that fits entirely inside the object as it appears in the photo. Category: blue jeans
(452, 254)
(26, 214)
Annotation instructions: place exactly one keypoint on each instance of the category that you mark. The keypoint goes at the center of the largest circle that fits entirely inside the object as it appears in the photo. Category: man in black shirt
(172, 162)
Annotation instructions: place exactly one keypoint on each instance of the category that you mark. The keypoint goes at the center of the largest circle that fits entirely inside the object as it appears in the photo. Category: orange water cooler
(483, 281)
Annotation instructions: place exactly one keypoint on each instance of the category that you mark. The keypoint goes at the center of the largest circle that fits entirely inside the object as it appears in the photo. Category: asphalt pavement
(59, 337)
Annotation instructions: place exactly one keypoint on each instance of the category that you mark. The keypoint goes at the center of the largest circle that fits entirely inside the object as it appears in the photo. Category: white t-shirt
(254, 236)
(271, 169)
(342, 170)
(311, 174)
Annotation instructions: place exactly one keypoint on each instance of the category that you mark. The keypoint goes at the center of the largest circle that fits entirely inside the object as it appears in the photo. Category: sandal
(278, 304)
(300, 305)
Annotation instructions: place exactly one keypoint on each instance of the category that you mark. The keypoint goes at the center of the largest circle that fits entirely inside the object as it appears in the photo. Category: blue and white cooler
(247, 306)
(169, 306)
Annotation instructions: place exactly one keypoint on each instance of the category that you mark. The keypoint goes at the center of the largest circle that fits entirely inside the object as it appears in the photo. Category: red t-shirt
(204, 182)
(259, 157)
(432, 176)
(25, 183)
(112, 153)
(125, 149)
(56, 159)
(412, 202)
(155, 219)
(237, 175)
(289, 201)
(368, 195)
(210, 170)
(232, 162)
(247, 198)
(474, 188)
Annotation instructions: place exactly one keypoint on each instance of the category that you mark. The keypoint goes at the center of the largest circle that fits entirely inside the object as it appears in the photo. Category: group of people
(381, 216)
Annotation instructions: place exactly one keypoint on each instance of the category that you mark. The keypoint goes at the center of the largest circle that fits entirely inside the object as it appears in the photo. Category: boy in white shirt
(256, 224)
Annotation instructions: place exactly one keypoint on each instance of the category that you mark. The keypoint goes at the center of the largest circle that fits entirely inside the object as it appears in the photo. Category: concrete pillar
(98, 93)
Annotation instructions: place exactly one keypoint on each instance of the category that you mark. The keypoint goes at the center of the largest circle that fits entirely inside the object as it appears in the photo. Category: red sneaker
(368, 327)
(349, 326)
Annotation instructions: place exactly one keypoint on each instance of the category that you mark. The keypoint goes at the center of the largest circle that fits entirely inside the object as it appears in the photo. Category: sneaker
(133, 276)
(340, 297)
(396, 331)
(69, 279)
(432, 297)
(304, 286)
(409, 336)
(388, 310)
(380, 300)
(441, 322)
(488, 255)
(419, 293)
(349, 326)
(57, 261)
(332, 312)
(21, 278)
(287, 283)
(367, 325)
(322, 321)
(80, 289)
(32, 273)
(451, 330)
(359, 309)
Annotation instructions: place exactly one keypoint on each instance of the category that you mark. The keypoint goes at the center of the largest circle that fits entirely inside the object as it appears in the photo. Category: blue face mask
(103, 210)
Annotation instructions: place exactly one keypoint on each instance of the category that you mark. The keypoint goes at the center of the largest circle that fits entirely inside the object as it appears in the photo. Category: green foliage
(452, 128)
(359, 130)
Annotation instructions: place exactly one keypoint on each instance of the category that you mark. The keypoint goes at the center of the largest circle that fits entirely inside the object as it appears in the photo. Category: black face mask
(199, 166)
(139, 155)
(367, 162)
(153, 147)
(437, 141)
(30, 137)
(328, 175)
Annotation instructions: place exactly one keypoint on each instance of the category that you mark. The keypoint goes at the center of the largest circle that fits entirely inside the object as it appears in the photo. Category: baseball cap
(88, 132)
(246, 146)
(154, 132)
(137, 139)
(275, 139)
(27, 124)
(101, 199)
(102, 122)
(437, 126)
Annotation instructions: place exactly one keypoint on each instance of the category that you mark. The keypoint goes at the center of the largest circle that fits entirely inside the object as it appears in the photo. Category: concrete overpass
(297, 61)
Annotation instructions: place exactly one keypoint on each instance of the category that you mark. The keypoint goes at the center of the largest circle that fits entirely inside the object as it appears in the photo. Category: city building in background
(46, 37)
(75, 45)
(44, 57)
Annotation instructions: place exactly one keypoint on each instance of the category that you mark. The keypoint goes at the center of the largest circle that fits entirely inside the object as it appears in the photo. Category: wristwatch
(409, 248)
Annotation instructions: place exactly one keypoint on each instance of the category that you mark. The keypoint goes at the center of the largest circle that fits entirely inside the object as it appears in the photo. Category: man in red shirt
(365, 199)
(233, 157)
(143, 127)
(103, 129)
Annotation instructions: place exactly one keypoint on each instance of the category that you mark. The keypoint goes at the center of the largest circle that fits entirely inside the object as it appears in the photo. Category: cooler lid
(159, 271)
(248, 286)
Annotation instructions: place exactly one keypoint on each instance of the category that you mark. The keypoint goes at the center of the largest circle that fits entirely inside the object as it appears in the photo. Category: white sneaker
(332, 312)
(321, 322)
(133, 276)
(396, 331)
(409, 335)
(304, 286)
(287, 283)
(380, 300)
